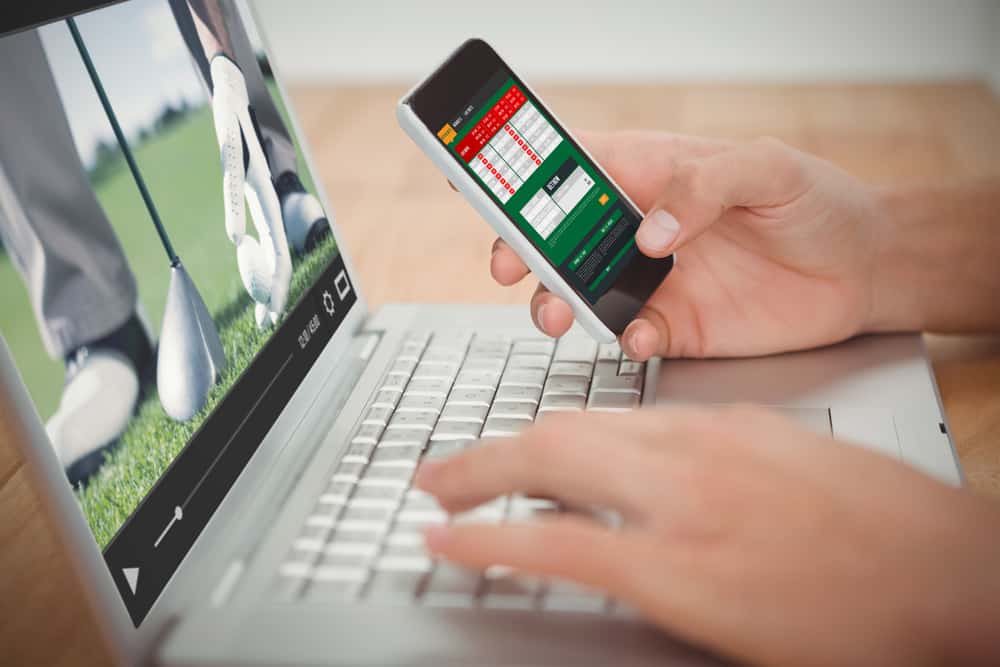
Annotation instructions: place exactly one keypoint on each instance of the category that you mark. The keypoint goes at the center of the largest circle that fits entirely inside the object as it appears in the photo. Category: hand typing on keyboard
(741, 531)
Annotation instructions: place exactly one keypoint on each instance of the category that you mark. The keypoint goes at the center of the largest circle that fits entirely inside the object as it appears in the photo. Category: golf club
(189, 358)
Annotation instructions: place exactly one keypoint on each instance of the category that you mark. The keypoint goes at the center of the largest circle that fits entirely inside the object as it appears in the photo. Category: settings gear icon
(328, 302)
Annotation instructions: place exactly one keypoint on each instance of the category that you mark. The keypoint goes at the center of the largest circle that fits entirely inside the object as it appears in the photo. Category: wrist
(901, 261)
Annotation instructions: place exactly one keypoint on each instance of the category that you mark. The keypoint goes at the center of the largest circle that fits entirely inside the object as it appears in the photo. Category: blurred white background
(335, 41)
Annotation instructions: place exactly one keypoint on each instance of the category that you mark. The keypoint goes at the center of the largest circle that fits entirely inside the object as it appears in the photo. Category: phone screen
(544, 183)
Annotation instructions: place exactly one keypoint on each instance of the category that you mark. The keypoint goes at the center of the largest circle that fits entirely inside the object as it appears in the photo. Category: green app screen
(545, 184)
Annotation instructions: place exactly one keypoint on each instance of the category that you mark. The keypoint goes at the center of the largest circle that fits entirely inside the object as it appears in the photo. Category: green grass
(153, 439)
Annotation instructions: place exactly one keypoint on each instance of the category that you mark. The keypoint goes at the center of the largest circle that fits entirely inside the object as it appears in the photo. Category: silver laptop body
(240, 597)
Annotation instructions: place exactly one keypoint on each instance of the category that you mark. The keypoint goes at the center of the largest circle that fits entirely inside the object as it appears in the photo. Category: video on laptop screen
(167, 270)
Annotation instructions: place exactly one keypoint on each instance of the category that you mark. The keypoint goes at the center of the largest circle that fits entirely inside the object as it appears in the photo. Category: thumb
(763, 173)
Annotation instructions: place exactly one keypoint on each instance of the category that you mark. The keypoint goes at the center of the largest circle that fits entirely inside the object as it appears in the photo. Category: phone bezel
(453, 84)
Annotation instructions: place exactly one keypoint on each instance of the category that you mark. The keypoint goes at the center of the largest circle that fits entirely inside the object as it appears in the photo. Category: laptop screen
(167, 268)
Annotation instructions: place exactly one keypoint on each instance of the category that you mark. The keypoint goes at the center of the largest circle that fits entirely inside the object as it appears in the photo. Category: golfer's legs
(222, 19)
(278, 145)
(52, 225)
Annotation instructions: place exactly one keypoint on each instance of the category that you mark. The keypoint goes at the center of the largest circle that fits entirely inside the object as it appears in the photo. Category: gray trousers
(52, 226)
(279, 149)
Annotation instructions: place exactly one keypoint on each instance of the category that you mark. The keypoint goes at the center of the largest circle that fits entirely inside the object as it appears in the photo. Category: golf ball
(255, 270)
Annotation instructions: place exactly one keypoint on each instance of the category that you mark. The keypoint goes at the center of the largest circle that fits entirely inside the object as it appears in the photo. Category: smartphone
(535, 184)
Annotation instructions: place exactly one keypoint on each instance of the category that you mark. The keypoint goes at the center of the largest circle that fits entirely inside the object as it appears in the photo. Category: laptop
(225, 435)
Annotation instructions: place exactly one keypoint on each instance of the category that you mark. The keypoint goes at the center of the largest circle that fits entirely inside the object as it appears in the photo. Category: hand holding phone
(535, 185)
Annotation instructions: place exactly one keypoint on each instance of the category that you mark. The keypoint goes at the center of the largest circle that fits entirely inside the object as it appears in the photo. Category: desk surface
(412, 239)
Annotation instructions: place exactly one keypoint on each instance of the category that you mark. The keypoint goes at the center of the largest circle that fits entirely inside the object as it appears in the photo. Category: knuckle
(784, 161)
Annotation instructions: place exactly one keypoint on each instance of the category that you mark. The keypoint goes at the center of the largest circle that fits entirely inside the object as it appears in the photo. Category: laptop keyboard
(442, 393)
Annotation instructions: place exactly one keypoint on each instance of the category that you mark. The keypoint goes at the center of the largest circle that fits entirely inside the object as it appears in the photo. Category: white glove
(264, 263)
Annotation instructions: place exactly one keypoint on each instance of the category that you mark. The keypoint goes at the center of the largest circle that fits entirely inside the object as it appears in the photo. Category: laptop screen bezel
(128, 642)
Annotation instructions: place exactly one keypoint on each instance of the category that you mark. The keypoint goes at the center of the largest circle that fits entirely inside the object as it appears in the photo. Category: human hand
(777, 247)
(743, 533)
(264, 263)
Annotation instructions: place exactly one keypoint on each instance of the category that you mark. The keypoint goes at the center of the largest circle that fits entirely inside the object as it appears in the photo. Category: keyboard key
(442, 450)
(629, 367)
(420, 403)
(572, 368)
(336, 492)
(611, 401)
(606, 368)
(386, 399)
(402, 367)
(523, 508)
(609, 352)
(485, 364)
(412, 420)
(410, 352)
(404, 437)
(368, 549)
(505, 589)
(449, 430)
(394, 587)
(389, 496)
(378, 415)
(332, 590)
(518, 394)
(396, 456)
(365, 518)
(413, 517)
(415, 563)
(343, 560)
(358, 453)
(480, 397)
(404, 538)
(370, 536)
(311, 538)
(562, 403)
(348, 471)
(523, 377)
(539, 346)
(476, 380)
(436, 370)
(387, 476)
(443, 353)
(394, 383)
(567, 386)
(367, 434)
(618, 383)
(540, 361)
(576, 348)
(520, 410)
(429, 387)
(500, 427)
(451, 586)
(463, 413)
(339, 573)
(560, 595)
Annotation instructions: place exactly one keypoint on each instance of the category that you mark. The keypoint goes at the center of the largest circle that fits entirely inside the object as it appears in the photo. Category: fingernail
(632, 344)
(436, 537)
(540, 316)
(658, 230)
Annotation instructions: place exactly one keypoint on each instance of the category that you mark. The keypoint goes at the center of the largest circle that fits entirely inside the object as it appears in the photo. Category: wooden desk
(412, 239)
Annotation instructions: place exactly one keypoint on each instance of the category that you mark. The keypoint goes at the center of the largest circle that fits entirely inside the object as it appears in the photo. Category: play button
(131, 576)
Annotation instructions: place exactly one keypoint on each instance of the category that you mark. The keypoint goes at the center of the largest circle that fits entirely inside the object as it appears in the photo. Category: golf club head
(190, 357)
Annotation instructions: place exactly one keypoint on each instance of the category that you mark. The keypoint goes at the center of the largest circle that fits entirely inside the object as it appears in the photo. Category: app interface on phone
(545, 184)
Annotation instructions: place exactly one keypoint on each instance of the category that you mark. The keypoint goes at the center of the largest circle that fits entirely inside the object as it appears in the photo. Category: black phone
(535, 184)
